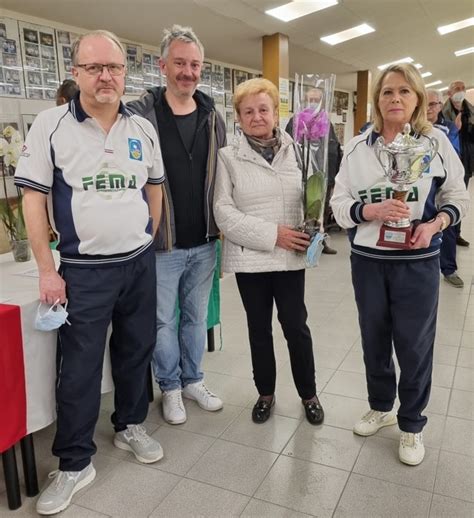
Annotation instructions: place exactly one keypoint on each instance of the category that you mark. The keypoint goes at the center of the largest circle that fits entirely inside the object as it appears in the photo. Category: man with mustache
(190, 132)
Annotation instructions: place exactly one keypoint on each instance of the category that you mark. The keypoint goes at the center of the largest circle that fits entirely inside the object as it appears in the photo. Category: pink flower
(310, 126)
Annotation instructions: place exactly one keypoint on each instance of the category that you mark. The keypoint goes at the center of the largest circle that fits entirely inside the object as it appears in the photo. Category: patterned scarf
(268, 148)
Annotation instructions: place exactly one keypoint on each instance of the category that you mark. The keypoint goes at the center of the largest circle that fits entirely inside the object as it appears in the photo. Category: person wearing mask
(448, 246)
(397, 290)
(96, 170)
(191, 132)
(258, 202)
(458, 110)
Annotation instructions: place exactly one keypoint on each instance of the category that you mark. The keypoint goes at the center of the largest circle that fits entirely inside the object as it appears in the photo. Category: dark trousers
(126, 297)
(448, 251)
(258, 291)
(397, 304)
(457, 228)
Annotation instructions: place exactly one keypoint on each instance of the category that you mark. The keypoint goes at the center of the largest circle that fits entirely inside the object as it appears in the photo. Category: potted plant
(11, 211)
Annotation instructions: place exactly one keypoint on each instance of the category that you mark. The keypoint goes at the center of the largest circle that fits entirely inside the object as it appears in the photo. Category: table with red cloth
(27, 357)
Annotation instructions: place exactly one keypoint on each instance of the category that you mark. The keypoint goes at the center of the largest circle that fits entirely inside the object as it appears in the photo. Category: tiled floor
(223, 465)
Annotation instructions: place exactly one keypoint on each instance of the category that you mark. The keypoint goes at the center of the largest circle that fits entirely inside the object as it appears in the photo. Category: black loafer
(262, 410)
(314, 411)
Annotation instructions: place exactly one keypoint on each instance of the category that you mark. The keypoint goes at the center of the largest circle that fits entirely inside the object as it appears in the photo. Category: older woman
(396, 290)
(257, 203)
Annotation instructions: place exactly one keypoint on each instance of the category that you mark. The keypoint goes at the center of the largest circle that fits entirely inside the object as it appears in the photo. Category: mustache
(186, 77)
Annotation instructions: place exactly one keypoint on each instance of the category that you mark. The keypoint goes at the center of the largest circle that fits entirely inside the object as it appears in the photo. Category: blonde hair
(254, 87)
(104, 34)
(418, 122)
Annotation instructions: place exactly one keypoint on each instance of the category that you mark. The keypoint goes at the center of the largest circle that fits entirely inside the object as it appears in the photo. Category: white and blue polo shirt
(94, 181)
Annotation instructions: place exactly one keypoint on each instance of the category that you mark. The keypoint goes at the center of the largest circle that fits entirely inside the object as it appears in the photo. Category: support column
(363, 99)
(276, 68)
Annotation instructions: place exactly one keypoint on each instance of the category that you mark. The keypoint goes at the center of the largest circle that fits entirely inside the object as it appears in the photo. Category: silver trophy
(404, 160)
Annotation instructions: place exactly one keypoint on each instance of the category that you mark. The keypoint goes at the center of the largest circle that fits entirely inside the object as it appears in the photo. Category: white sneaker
(57, 496)
(372, 421)
(173, 407)
(136, 440)
(203, 396)
(411, 450)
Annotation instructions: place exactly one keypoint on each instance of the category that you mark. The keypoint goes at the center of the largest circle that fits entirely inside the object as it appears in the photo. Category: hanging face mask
(458, 97)
(315, 249)
(53, 318)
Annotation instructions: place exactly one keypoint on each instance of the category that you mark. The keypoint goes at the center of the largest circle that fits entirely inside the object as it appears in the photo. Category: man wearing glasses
(448, 247)
(96, 170)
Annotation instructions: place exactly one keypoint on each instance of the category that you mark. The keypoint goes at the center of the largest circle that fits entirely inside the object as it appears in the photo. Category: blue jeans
(183, 276)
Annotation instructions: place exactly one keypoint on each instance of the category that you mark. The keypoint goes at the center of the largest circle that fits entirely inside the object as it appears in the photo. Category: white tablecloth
(39, 347)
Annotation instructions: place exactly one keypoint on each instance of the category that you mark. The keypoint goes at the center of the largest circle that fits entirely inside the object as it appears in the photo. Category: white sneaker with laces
(372, 421)
(411, 450)
(57, 496)
(173, 407)
(203, 396)
(136, 440)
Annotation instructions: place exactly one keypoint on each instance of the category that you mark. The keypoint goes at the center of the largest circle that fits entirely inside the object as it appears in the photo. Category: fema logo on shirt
(134, 149)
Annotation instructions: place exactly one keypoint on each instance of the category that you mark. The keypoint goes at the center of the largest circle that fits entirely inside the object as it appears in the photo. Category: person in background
(191, 132)
(258, 202)
(458, 110)
(66, 91)
(448, 246)
(397, 290)
(313, 98)
(96, 170)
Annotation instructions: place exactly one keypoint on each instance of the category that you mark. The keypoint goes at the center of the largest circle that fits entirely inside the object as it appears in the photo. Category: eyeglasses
(95, 69)
(434, 104)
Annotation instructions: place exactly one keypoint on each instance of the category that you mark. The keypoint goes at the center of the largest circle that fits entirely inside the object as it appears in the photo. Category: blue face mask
(54, 317)
(315, 249)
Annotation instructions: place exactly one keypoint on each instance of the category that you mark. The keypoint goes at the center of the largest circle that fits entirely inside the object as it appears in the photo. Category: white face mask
(458, 97)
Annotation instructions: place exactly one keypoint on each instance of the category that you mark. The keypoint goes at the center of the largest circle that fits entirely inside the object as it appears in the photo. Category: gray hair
(104, 34)
(435, 92)
(178, 32)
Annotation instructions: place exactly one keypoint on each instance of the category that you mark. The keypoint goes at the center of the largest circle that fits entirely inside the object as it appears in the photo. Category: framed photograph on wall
(11, 76)
(64, 41)
(340, 102)
(227, 79)
(217, 84)
(229, 100)
(134, 79)
(151, 69)
(238, 76)
(38, 46)
(206, 78)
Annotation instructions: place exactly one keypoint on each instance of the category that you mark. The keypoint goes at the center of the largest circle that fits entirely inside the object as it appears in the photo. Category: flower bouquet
(311, 125)
(11, 211)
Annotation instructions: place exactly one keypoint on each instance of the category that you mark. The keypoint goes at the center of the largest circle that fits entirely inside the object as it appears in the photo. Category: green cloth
(214, 307)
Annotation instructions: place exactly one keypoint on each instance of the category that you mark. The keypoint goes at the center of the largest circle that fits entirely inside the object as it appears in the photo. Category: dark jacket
(466, 133)
(146, 107)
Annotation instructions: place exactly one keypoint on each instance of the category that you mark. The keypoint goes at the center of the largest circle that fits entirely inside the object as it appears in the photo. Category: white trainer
(135, 439)
(372, 421)
(57, 496)
(173, 407)
(411, 450)
(203, 396)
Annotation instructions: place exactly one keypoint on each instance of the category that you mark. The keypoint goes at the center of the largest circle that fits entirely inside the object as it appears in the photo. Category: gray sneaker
(136, 440)
(57, 496)
(454, 280)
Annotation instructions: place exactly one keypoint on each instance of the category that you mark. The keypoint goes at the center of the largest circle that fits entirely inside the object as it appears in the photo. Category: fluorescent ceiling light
(434, 83)
(463, 52)
(445, 29)
(299, 8)
(426, 74)
(403, 60)
(349, 34)
(443, 89)
(418, 65)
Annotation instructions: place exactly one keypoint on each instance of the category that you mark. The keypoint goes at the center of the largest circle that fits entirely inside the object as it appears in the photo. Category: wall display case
(134, 83)
(206, 78)
(239, 76)
(39, 53)
(151, 69)
(11, 73)
(217, 84)
(64, 41)
(227, 79)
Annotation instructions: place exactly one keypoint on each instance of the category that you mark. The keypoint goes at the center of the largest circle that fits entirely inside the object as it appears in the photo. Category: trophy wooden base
(393, 237)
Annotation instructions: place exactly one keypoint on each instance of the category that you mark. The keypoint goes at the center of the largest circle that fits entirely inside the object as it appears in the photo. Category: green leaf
(315, 192)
